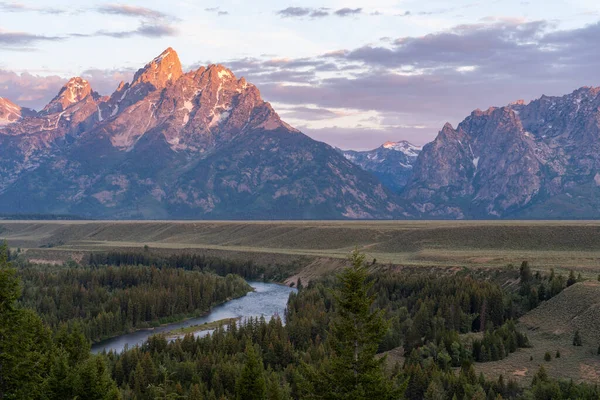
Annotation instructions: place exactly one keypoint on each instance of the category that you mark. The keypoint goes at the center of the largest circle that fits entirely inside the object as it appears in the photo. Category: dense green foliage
(326, 350)
(34, 363)
(352, 371)
(191, 261)
(104, 302)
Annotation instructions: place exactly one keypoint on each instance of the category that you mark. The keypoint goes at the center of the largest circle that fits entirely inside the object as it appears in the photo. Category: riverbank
(172, 320)
(267, 300)
(207, 326)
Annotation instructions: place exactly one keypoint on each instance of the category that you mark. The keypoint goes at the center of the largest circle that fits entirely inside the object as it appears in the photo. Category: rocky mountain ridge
(169, 144)
(204, 144)
(525, 160)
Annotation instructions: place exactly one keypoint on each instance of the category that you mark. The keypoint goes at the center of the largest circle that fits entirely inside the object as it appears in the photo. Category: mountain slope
(169, 144)
(536, 160)
(391, 163)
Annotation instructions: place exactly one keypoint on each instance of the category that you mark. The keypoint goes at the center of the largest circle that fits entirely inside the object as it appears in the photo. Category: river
(267, 299)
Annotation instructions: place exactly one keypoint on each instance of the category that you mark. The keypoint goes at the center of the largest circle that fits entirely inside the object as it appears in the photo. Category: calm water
(267, 299)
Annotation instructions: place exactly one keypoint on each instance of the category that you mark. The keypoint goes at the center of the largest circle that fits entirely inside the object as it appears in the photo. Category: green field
(556, 244)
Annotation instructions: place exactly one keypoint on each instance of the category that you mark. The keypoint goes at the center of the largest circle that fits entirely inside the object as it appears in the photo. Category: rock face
(169, 144)
(392, 162)
(10, 112)
(536, 160)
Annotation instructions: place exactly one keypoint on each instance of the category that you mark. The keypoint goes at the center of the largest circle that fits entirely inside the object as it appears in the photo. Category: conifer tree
(251, 384)
(353, 372)
(25, 343)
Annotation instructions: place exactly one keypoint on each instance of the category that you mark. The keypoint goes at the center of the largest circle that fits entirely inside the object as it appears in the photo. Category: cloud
(429, 80)
(347, 12)
(297, 12)
(302, 12)
(29, 90)
(151, 31)
(10, 6)
(308, 113)
(131, 11)
(104, 81)
(16, 39)
(153, 23)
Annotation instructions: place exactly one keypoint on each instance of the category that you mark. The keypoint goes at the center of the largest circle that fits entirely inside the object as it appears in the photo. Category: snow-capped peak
(404, 147)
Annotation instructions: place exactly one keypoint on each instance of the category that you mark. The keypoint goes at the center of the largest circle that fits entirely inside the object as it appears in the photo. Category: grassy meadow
(561, 245)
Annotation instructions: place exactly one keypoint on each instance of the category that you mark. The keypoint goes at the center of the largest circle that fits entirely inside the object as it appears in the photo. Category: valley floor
(321, 246)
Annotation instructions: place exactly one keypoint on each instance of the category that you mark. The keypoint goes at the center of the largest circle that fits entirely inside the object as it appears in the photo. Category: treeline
(296, 358)
(425, 308)
(37, 364)
(108, 301)
(326, 350)
(198, 262)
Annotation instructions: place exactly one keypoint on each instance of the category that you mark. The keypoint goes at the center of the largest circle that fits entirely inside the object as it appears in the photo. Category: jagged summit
(169, 144)
(75, 90)
(163, 69)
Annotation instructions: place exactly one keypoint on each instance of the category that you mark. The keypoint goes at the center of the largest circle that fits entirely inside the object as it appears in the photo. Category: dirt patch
(520, 372)
(590, 373)
(45, 261)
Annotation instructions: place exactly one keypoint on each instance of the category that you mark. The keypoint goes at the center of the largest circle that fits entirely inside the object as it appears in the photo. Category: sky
(353, 74)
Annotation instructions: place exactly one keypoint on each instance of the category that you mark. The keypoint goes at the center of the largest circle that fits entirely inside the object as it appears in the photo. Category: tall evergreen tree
(25, 343)
(353, 372)
(251, 384)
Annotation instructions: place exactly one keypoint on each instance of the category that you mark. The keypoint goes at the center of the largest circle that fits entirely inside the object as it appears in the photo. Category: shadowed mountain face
(536, 160)
(169, 144)
(391, 163)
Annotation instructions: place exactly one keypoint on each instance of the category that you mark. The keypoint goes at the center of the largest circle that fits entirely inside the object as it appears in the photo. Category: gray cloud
(13, 39)
(295, 12)
(307, 113)
(105, 82)
(301, 12)
(347, 12)
(153, 23)
(447, 74)
(147, 30)
(29, 90)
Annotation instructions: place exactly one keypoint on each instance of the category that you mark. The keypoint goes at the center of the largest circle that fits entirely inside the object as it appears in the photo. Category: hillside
(550, 328)
(577, 308)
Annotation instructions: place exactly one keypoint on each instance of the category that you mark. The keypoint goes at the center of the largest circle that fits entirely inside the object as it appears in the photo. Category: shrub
(577, 339)
(547, 356)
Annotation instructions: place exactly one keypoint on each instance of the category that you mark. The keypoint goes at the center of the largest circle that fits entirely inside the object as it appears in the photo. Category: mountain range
(204, 144)
(169, 144)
